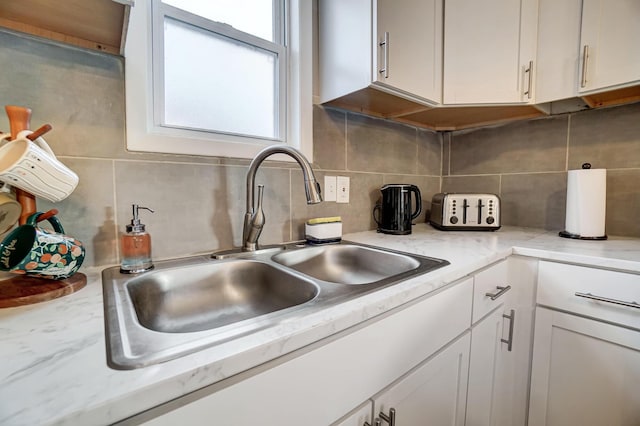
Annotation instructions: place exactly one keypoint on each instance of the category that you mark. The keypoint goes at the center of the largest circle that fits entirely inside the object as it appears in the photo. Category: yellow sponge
(323, 230)
(319, 220)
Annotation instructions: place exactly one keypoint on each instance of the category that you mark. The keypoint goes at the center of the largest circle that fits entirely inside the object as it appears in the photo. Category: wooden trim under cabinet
(376, 103)
(93, 24)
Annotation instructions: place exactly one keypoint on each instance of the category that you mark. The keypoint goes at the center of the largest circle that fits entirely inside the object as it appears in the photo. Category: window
(222, 78)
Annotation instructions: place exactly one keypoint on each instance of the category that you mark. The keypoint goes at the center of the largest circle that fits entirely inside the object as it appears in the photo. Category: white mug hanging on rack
(33, 167)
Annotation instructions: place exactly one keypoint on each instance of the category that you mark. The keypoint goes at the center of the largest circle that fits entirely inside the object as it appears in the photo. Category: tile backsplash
(526, 163)
(200, 201)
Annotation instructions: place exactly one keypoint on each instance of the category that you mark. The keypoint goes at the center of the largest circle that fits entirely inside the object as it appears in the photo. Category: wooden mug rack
(24, 290)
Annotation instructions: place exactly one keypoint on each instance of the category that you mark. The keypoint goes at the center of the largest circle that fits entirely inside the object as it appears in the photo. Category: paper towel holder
(566, 234)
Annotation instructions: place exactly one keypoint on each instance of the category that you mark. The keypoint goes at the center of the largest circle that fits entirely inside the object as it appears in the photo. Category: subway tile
(623, 203)
(524, 146)
(329, 139)
(88, 213)
(534, 200)
(429, 153)
(487, 184)
(357, 215)
(80, 93)
(198, 208)
(376, 145)
(606, 138)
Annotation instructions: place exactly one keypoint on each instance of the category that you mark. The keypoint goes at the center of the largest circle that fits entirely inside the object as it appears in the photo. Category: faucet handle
(256, 222)
(258, 209)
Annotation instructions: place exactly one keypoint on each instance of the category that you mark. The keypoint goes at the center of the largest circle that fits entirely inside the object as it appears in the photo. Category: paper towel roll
(586, 203)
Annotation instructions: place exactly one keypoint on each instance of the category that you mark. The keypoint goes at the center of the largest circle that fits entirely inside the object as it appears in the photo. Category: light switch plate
(343, 189)
(330, 188)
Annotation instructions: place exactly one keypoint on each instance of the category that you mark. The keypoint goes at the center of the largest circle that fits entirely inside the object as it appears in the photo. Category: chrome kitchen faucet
(254, 217)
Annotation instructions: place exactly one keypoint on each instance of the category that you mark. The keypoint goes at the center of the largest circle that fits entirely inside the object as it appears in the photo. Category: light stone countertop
(53, 366)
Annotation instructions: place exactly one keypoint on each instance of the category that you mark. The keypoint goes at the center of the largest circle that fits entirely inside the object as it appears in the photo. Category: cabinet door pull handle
(391, 418)
(530, 72)
(512, 320)
(376, 422)
(502, 290)
(585, 62)
(607, 300)
(385, 46)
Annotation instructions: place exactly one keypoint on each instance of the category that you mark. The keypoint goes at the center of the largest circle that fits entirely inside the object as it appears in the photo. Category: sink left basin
(188, 304)
(207, 296)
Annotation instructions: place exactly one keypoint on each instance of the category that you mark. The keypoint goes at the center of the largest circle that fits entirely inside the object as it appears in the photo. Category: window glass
(251, 16)
(218, 83)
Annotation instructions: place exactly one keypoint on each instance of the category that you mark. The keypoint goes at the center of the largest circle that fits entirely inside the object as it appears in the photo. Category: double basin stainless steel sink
(186, 305)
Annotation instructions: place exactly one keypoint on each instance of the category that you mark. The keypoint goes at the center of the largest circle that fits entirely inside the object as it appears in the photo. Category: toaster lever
(465, 206)
(480, 206)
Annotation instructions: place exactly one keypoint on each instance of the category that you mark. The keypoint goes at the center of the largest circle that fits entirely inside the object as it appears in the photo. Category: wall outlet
(343, 189)
(330, 188)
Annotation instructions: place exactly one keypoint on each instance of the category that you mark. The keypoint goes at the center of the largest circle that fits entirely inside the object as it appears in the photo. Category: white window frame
(143, 134)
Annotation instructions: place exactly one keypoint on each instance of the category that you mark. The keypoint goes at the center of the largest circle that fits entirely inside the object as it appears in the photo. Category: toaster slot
(465, 207)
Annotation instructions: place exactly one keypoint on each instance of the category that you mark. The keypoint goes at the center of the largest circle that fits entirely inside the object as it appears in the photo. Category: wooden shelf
(94, 24)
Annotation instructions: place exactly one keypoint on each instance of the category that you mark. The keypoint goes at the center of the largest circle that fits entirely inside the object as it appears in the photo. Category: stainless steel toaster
(465, 212)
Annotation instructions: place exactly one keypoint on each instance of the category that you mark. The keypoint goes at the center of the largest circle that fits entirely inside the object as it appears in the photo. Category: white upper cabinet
(609, 51)
(391, 45)
(558, 49)
(409, 54)
(489, 51)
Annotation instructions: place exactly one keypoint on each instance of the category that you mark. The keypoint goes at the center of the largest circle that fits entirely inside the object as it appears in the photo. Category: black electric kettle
(393, 213)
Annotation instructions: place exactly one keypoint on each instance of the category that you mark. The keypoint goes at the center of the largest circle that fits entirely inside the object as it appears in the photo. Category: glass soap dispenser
(136, 246)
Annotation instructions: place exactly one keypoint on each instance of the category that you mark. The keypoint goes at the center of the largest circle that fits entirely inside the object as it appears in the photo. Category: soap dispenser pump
(136, 245)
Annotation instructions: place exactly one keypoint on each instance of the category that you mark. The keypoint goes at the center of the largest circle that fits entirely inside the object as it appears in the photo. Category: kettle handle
(418, 196)
(377, 209)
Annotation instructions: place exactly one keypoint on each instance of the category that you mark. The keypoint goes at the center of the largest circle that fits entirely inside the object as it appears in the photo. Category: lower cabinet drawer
(606, 295)
(490, 289)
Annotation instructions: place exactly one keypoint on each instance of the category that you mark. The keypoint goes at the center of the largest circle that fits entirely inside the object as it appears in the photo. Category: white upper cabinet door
(489, 49)
(353, 54)
(409, 46)
(610, 37)
(558, 49)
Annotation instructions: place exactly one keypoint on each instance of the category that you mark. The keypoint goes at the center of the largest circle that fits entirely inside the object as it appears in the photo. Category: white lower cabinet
(326, 382)
(501, 344)
(358, 417)
(433, 394)
(586, 359)
(585, 372)
(442, 360)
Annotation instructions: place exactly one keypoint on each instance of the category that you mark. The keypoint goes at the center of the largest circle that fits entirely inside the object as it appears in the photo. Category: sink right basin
(347, 263)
